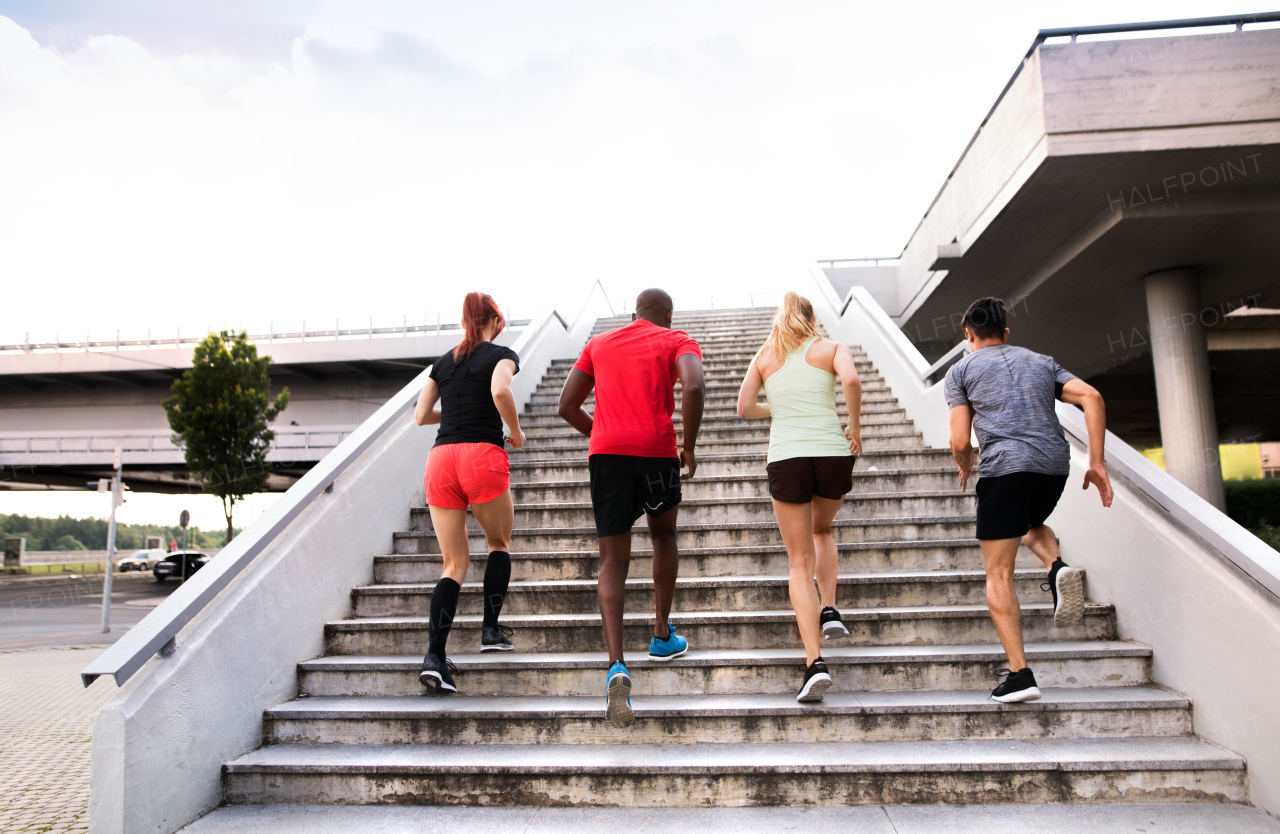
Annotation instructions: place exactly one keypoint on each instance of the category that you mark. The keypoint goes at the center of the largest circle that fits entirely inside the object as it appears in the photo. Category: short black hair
(985, 317)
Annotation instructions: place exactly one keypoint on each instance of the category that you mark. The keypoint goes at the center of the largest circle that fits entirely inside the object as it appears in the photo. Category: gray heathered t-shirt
(1011, 390)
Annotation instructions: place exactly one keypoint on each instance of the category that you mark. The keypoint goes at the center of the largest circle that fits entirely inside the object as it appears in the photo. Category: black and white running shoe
(817, 680)
(435, 675)
(1067, 585)
(494, 639)
(832, 627)
(1017, 686)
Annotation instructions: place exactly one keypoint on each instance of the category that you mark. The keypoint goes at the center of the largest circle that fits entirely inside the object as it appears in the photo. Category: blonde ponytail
(792, 324)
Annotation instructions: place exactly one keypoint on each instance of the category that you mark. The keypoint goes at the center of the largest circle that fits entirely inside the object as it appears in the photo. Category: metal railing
(14, 446)
(333, 330)
(831, 262)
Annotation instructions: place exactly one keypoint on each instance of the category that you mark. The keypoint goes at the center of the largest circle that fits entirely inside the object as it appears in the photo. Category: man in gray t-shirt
(1006, 396)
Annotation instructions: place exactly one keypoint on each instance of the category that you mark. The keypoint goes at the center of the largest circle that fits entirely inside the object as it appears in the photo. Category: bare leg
(795, 521)
(496, 518)
(615, 562)
(1042, 542)
(451, 532)
(1002, 599)
(666, 567)
(827, 561)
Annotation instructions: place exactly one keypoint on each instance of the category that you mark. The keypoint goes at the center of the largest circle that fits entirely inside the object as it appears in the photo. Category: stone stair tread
(834, 655)
(378, 707)
(727, 550)
(939, 576)
(730, 525)
(519, 460)
(749, 499)
(1106, 818)
(1097, 754)
(755, 476)
(518, 621)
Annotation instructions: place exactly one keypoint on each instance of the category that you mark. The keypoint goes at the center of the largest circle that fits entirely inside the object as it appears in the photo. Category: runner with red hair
(468, 393)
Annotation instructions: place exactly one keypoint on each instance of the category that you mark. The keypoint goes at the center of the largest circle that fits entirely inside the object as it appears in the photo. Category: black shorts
(624, 487)
(797, 480)
(1010, 505)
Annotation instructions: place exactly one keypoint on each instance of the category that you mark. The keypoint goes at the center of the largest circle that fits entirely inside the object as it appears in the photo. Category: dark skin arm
(688, 369)
(575, 392)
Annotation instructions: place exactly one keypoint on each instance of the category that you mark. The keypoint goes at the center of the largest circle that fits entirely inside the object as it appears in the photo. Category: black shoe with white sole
(832, 626)
(494, 639)
(1067, 585)
(435, 675)
(817, 680)
(1017, 686)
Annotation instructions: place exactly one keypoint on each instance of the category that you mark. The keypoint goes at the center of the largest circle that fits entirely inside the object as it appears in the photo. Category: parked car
(140, 560)
(179, 564)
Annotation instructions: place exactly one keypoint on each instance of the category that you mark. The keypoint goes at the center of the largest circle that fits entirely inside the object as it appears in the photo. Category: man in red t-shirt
(635, 469)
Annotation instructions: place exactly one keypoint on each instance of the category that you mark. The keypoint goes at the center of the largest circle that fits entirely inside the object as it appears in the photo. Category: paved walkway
(45, 720)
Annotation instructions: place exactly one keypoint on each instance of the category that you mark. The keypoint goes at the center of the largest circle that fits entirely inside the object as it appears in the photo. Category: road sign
(184, 519)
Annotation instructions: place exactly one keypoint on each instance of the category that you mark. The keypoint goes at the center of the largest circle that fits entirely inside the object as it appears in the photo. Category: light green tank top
(802, 405)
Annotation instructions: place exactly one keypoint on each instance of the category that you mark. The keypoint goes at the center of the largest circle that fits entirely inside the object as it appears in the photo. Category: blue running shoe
(618, 696)
(673, 646)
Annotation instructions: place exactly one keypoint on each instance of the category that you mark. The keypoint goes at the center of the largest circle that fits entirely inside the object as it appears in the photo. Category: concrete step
(750, 485)
(710, 441)
(930, 625)
(1095, 818)
(711, 390)
(961, 772)
(757, 560)
(736, 355)
(718, 427)
(735, 534)
(1104, 712)
(699, 594)
(546, 466)
(873, 413)
(528, 470)
(736, 671)
(712, 369)
(760, 509)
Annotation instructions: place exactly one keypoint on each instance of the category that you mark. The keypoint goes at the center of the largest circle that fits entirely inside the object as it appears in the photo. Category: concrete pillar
(1180, 353)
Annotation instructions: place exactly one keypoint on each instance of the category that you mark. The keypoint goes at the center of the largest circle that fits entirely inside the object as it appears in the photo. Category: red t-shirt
(635, 372)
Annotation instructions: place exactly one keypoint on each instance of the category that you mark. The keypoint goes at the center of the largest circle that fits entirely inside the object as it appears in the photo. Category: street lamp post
(116, 490)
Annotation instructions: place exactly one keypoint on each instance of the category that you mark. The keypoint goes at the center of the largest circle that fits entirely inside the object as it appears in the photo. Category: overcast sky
(247, 161)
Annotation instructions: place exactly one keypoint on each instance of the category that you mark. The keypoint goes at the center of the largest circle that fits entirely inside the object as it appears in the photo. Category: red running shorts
(459, 474)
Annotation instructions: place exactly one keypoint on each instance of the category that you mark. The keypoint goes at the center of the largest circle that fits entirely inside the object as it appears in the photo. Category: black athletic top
(467, 412)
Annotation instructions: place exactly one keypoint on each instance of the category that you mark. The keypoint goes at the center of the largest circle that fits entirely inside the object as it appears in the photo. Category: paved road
(45, 726)
(67, 610)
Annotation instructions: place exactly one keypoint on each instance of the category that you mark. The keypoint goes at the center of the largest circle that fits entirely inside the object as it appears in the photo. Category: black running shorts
(1010, 505)
(797, 480)
(624, 487)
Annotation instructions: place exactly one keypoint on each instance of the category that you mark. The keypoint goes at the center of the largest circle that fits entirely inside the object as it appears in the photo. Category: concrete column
(1180, 353)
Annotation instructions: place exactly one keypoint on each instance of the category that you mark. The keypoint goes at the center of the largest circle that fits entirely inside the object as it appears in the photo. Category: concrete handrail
(1243, 549)
(161, 626)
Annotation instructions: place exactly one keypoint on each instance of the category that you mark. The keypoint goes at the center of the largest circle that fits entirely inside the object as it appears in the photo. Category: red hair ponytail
(478, 309)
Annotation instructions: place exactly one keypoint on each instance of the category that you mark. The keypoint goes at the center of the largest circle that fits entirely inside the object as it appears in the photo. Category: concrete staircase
(720, 727)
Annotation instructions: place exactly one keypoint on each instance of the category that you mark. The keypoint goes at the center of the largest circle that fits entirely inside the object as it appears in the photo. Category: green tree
(221, 412)
(68, 542)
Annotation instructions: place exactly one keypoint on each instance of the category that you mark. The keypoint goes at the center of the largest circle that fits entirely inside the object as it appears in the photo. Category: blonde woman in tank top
(810, 464)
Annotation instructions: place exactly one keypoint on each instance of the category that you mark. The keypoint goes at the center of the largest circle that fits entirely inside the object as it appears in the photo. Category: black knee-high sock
(497, 575)
(444, 605)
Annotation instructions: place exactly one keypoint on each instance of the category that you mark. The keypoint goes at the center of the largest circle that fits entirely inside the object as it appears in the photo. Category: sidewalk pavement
(45, 722)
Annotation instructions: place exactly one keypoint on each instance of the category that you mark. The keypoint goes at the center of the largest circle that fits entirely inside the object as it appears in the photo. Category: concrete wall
(880, 281)
(1215, 631)
(159, 745)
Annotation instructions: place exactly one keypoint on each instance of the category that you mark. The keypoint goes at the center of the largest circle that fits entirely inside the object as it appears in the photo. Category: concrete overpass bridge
(66, 405)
